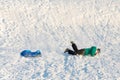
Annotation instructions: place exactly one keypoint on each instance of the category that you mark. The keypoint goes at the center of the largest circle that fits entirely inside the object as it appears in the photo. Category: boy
(86, 51)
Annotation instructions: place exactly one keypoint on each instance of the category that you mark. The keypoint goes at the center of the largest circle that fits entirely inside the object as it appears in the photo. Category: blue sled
(28, 53)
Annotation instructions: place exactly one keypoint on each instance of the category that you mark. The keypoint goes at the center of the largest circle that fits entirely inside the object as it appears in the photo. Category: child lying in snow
(86, 51)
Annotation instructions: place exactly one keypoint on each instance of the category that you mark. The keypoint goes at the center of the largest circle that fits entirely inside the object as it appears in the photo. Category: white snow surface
(49, 26)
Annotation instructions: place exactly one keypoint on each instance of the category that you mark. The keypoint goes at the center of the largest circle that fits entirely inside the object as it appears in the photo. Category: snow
(49, 26)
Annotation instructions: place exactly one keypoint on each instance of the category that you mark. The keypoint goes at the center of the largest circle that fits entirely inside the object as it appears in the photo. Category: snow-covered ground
(50, 25)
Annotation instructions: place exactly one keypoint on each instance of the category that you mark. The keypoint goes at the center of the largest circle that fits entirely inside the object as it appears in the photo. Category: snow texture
(50, 25)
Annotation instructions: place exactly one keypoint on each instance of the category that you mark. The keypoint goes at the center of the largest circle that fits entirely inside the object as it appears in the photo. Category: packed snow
(49, 26)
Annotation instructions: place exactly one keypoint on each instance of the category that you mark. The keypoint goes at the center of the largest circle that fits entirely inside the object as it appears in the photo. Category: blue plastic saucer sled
(28, 53)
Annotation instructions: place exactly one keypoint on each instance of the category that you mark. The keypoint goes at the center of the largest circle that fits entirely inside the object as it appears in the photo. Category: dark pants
(76, 51)
(71, 52)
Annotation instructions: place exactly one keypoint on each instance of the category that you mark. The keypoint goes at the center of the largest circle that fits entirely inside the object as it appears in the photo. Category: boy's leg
(70, 51)
(74, 47)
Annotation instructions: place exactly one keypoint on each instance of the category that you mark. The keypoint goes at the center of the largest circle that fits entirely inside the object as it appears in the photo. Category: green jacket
(90, 51)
